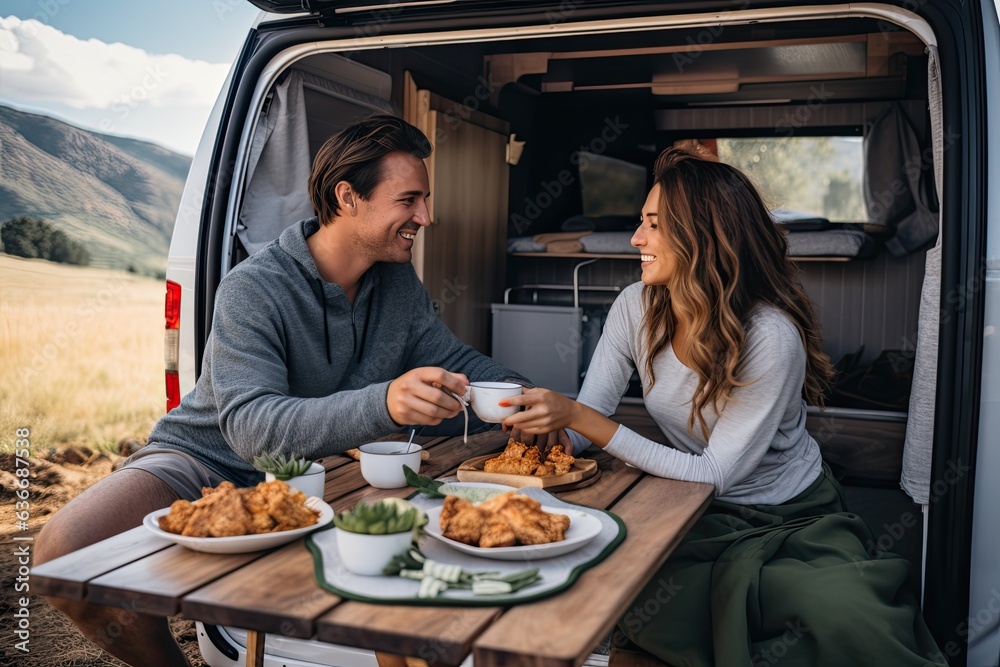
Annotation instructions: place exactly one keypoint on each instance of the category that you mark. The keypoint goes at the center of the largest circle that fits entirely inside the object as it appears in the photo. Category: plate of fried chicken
(521, 465)
(510, 526)
(230, 520)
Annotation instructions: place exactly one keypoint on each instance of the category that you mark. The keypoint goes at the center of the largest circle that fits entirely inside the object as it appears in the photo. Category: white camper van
(874, 127)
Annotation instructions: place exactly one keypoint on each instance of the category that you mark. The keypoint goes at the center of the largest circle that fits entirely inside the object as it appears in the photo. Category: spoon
(409, 442)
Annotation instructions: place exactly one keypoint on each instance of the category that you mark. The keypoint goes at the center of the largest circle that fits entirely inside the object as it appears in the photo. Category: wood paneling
(872, 302)
(464, 247)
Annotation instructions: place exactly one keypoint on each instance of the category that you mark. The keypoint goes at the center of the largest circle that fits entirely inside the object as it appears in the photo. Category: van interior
(543, 155)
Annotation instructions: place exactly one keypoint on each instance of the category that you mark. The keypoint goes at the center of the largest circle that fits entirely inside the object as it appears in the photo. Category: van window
(818, 175)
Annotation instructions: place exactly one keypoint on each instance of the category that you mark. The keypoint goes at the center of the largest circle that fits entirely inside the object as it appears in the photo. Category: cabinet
(460, 256)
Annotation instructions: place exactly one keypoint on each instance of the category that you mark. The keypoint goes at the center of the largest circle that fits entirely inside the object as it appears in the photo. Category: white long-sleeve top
(758, 450)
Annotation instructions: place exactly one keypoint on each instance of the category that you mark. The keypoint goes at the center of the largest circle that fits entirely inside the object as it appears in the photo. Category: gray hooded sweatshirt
(291, 366)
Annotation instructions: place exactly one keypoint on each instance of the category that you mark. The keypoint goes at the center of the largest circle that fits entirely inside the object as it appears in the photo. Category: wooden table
(276, 591)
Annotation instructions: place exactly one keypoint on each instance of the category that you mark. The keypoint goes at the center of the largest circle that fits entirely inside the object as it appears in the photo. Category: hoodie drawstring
(326, 325)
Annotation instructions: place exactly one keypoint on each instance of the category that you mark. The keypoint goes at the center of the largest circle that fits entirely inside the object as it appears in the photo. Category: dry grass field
(81, 354)
(81, 365)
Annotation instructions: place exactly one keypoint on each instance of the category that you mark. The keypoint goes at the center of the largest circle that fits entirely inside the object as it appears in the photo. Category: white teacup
(382, 463)
(484, 397)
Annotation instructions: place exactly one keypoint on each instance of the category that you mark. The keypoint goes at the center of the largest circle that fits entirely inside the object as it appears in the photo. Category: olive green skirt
(789, 584)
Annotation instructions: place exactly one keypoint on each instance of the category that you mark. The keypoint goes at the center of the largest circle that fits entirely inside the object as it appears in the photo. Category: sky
(148, 70)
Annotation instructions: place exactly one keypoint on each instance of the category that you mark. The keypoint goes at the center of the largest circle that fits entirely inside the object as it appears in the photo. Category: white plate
(240, 543)
(583, 527)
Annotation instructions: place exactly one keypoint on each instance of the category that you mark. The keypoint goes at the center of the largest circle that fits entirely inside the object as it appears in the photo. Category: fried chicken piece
(559, 460)
(531, 524)
(520, 459)
(461, 521)
(219, 514)
(512, 452)
(545, 470)
(503, 521)
(175, 520)
(227, 511)
(516, 459)
(496, 533)
(256, 504)
(286, 506)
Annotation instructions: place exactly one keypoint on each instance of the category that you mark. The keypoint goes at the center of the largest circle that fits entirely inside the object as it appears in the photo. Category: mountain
(117, 196)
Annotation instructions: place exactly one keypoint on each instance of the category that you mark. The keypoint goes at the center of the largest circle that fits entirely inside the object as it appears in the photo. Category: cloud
(38, 62)
(41, 66)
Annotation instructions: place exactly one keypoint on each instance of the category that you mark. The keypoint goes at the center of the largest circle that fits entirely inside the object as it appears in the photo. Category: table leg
(255, 648)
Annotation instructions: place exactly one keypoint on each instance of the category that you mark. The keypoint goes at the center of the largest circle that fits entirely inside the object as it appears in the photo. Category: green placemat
(558, 573)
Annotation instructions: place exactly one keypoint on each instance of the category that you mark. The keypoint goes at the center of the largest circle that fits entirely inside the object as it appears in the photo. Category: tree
(35, 238)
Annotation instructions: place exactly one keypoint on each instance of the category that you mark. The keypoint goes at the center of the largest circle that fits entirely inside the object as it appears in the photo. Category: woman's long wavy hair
(730, 256)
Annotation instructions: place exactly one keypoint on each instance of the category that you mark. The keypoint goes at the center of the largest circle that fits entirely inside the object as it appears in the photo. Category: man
(322, 340)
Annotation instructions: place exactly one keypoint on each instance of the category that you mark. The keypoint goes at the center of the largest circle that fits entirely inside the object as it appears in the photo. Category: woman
(727, 348)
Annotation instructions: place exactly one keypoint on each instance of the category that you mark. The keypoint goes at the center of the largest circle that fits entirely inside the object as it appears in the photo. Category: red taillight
(173, 305)
(173, 390)
(172, 343)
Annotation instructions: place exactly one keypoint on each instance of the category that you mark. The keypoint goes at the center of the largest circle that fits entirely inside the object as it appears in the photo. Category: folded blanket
(610, 242)
(564, 247)
(546, 239)
(831, 243)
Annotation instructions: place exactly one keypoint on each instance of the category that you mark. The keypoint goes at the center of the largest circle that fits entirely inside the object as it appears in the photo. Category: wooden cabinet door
(461, 257)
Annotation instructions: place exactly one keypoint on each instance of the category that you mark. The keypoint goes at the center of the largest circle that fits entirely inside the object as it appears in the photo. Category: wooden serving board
(472, 471)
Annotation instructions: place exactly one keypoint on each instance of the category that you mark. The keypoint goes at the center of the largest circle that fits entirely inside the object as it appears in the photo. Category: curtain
(919, 443)
(898, 188)
(278, 169)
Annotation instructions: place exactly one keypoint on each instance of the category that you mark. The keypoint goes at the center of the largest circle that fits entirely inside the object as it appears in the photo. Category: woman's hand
(544, 441)
(544, 411)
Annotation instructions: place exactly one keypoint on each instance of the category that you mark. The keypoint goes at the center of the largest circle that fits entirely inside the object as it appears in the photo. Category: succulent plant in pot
(299, 472)
(370, 535)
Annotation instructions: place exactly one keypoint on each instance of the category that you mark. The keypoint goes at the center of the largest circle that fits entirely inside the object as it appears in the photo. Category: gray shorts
(182, 472)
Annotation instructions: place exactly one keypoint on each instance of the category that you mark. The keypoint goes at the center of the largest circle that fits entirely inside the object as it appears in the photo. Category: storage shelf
(577, 255)
(597, 255)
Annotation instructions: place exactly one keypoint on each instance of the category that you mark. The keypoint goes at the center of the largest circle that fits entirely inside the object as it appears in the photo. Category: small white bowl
(311, 482)
(382, 463)
(369, 554)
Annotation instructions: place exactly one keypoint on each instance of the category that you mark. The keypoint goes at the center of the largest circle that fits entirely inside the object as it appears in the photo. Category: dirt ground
(56, 478)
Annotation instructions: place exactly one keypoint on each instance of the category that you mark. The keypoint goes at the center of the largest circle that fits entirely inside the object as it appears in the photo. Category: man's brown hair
(355, 155)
